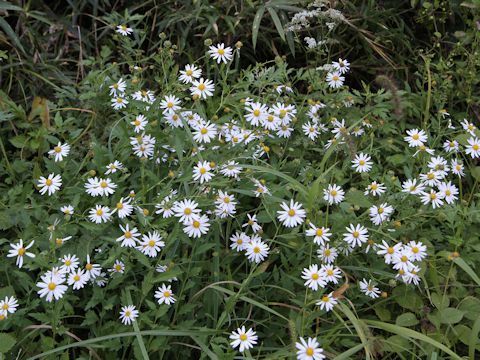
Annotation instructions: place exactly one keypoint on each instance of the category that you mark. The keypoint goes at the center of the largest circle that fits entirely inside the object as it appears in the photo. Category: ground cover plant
(204, 206)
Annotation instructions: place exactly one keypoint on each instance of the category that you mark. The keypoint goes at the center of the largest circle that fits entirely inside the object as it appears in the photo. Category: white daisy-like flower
(78, 279)
(389, 251)
(239, 241)
(67, 209)
(170, 104)
(433, 197)
(220, 53)
(128, 314)
(197, 226)
(457, 168)
(124, 208)
(118, 267)
(201, 172)
(130, 237)
(114, 167)
(314, 278)
(252, 222)
(417, 251)
(256, 250)
(118, 88)
(164, 295)
(243, 339)
(19, 250)
(321, 235)
(124, 30)
(355, 235)
(333, 194)
(473, 147)
(330, 273)
(204, 132)
(8, 306)
(369, 289)
(51, 184)
(231, 169)
(362, 163)
(309, 350)
(468, 127)
(292, 215)
(256, 113)
(59, 151)
(119, 102)
(91, 269)
(310, 130)
(202, 88)
(415, 137)
(51, 286)
(69, 263)
(151, 244)
(327, 302)
(451, 146)
(100, 214)
(342, 66)
(410, 186)
(381, 213)
(375, 189)
(139, 123)
(449, 192)
(190, 73)
(403, 261)
(186, 210)
(335, 80)
(327, 254)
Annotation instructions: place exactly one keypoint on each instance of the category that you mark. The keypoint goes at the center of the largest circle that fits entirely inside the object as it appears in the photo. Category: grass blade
(465, 267)
(256, 24)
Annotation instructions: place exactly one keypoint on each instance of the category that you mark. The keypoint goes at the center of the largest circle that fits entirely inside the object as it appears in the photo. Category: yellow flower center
(239, 241)
(415, 136)
(309, 351)
(325, 299)
(52, 286)
(127, 234)
(335, 78)
(99, 212)
(221, 51)
(226, 200)
(169, 104)
(270, 118)
(119, 100)
(361, 162)
(433, 196)
(203, 131)
(404, 258)
(137, 122)
(201, 87)
(21, 251)
(291, 212)
(243, 337)
(5, 307)
(327, 252)
(203, 170)
(390, 250)
(374, 186)
(76, 278)
(196, 224)
(166, 294)
(118, 267)
(151, 243)
(57, 149)
(356, 234)
(333, 193)
(49, 182)
(256, 249)
(189, 72)
(319, 232)
(256, 112)
(103, 184)
(448, 193)
(431, 176)
(381, 210)
(476, 147)
(330, 272)
(68, 262)
(415, 250)
(315, 276)
(89, 266)
(119, 205)
(282, 113)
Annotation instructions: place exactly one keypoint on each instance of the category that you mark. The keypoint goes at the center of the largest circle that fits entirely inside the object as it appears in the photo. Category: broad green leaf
(407, 298)
(277, 22)
(407, 319)
(7, 341)
(451, 316)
